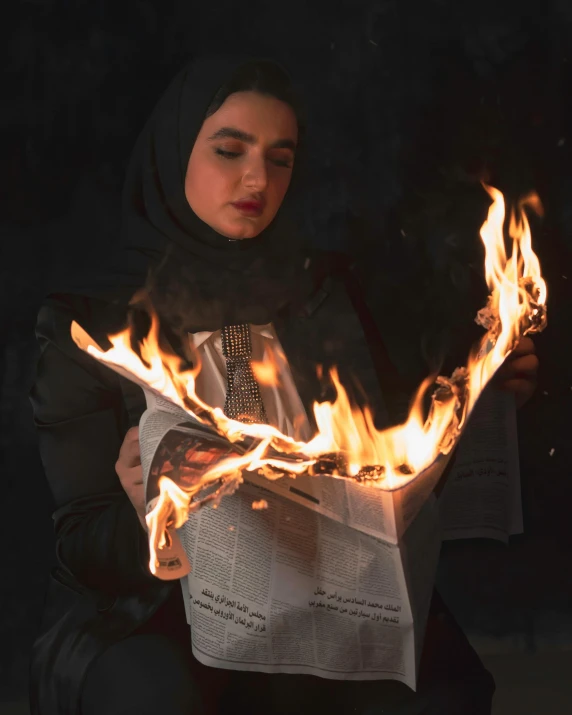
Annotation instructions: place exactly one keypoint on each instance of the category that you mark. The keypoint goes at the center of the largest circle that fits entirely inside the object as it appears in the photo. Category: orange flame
(517, 303)
(266, 373)
(387, 459)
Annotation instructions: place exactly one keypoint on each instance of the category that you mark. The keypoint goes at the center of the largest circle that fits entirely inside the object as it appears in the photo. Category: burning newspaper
(323, 561)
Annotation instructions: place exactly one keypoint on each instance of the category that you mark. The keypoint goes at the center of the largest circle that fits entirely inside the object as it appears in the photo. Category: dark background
(411, 103)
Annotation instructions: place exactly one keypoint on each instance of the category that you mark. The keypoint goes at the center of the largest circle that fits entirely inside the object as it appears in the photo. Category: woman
(206, 228)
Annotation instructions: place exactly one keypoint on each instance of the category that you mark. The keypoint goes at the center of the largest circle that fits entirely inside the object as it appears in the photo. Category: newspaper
(318, 582)
(331, 578)
(482, 496)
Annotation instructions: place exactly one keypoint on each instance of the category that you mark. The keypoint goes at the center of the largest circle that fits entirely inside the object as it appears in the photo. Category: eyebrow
(232, 133)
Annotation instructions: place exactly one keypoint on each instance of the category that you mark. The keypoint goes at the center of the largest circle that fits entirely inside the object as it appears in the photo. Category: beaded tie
(243, 399)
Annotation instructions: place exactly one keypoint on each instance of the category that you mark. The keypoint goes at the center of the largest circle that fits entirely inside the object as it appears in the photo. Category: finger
(131, 439)
(130, 451)
(129, 459)
(527, 365)
(517, 384)
(520, 377)
(131, 477)
(525, 362)
(525, 346)
(132, 434)
(136, 494)
(134, 459)
(135, 479)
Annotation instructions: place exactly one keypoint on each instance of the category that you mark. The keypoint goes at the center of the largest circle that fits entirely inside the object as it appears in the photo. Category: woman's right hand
(128, 468)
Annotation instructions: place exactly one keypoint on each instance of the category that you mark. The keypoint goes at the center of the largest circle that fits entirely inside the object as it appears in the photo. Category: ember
(260, 504)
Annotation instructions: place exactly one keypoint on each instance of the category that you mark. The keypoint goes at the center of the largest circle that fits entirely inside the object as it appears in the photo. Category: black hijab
(196, 278)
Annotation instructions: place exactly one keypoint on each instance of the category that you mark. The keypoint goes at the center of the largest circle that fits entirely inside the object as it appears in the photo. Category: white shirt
(282, 403)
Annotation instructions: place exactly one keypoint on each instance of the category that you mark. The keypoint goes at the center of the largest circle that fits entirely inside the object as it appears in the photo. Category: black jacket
(102, 589)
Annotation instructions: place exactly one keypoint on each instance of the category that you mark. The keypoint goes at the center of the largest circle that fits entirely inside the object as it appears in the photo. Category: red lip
(250, 208)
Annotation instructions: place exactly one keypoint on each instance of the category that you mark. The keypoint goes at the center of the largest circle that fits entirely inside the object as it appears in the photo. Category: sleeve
(80, 421)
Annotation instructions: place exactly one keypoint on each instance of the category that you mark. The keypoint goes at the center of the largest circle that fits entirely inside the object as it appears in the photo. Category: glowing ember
(260, 504)
(347, 444)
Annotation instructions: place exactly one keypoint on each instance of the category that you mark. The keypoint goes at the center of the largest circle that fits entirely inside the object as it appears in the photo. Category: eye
(286, 163)
(227, 154)
(282, 162)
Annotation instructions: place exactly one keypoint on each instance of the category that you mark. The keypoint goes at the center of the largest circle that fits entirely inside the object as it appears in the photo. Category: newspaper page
(482, 497)
(287, 590)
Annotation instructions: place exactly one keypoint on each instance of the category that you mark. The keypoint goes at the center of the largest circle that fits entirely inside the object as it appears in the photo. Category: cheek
(278, 183)
(207, 185)
(279, 189)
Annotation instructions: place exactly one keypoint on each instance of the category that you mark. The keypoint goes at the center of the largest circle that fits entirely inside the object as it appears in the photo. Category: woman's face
(241, 164)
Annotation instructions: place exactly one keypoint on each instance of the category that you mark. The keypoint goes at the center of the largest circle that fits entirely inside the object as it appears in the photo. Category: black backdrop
(411, 103)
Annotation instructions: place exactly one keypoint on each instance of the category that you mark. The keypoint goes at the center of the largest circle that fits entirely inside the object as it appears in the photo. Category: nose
(256, 176)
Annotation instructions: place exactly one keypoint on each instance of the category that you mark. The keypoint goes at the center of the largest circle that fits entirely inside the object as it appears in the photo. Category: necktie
(243, 399)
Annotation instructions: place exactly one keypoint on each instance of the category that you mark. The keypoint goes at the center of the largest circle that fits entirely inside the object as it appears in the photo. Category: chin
(241, 232)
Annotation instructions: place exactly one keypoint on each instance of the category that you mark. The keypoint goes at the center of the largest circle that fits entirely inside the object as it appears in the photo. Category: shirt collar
(199, 338)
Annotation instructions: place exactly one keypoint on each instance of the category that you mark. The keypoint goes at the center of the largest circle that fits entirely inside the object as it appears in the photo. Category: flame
(266, 373)
(347, 443)
(518, 292)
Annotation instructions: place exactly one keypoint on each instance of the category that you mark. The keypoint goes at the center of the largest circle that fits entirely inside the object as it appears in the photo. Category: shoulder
(59, 310)
(69, 383)
(53, 332)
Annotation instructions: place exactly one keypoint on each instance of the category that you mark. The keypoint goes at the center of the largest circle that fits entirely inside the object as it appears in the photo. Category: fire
(517, 302)
(267, 372)
(347, 444)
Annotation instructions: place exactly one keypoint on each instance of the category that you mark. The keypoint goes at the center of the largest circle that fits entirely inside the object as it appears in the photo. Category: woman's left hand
(518, 373)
